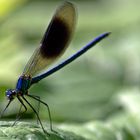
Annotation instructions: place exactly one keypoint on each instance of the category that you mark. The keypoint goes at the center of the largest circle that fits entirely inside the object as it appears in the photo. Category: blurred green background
(102, 84)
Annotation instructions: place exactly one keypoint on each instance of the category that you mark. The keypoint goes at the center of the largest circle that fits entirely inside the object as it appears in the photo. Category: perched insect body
(54, 43)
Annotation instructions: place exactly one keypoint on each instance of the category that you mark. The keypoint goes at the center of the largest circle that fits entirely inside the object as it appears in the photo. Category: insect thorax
(23, 83)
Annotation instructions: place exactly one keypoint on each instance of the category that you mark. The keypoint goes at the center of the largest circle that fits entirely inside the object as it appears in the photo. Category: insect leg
(2, 113)
(38, 107)
(19, 115)
(47, 109)
(35, 113)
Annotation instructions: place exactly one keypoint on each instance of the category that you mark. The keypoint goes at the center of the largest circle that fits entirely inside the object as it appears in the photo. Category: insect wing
(55, 40)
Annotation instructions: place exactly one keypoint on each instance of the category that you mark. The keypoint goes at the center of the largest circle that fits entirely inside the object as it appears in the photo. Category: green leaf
(28, 131)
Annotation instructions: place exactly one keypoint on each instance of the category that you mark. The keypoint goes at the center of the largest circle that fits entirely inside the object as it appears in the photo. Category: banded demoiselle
(55, 41)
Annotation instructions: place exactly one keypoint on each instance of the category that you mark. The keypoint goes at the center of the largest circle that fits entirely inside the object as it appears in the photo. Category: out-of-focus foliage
(8, 6)
(94, 87)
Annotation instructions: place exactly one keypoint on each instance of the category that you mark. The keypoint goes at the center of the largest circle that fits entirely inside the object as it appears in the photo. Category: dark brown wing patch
(59, 32)
(55, 39)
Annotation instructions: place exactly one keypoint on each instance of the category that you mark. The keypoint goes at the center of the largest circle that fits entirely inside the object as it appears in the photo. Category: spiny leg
(50, 119)
(19, 115)
(35, 113)
(38, 107)
(5, 108)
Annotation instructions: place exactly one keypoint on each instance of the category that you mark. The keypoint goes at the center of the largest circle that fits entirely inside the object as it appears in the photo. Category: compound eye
(8, 92)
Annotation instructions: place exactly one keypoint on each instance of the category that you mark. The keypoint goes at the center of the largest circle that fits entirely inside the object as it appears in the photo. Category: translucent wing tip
(60, 30)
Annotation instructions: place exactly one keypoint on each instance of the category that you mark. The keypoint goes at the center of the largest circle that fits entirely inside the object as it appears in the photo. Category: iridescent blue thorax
(22, 86)
(23, 83)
